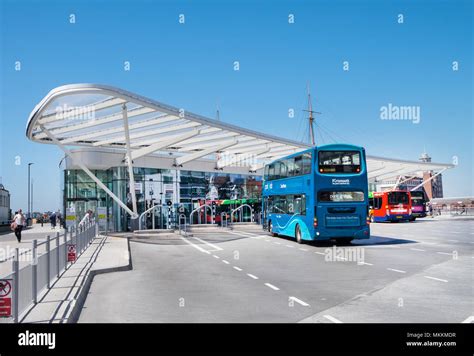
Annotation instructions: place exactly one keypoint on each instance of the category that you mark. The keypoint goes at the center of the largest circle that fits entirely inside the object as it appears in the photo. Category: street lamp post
(29, 187)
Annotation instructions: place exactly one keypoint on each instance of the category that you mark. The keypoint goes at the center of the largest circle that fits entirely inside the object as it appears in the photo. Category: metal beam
(145, 133)
(101, 105)
(129, 160)
(90, 123)
(163, 144)
(154, 121)
(426, 181)
(192, 156)
(157, 139)
(238, 158)
(88, 172)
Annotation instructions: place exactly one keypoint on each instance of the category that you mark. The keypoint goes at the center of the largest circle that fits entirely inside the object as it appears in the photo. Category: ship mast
(311, 119)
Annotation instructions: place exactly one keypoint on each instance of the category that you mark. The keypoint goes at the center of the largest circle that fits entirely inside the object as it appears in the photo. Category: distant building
(433, 188)
(5, 211)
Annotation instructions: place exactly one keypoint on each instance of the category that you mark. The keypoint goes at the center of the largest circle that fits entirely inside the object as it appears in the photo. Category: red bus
(392, 206)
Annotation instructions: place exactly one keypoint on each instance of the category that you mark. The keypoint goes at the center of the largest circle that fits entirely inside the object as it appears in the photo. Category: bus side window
(265, 175)
(271, 172)
(377, 203)
(291, 205)
(298, 165)
(277, 170)
(306, 163)
(290, 162)
(283, 169)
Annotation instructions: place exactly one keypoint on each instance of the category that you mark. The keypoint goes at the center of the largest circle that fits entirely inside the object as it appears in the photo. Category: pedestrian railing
(182, 225)
(224, 219)
(34, 270)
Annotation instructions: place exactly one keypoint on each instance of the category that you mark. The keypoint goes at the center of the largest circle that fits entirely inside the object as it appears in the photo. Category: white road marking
(215, 256)
(333, 319)
(208, 243)
(396, 270)
(290, 246)
(445, 253)
(277, 243)
(417, 249)
(226, 262)
(437, 279)
(365, 263)
(237, 268)
(252, 276)
(299, 301)
(320, 253)
(272, 286)
(303, 249)
(195, 246)
(468, 320)
(341, 258)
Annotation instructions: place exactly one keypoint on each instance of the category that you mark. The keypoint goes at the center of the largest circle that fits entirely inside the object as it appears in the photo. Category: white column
(129, 161)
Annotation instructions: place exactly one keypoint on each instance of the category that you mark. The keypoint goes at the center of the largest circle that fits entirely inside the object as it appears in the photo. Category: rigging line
(334, 133)
(321, 129)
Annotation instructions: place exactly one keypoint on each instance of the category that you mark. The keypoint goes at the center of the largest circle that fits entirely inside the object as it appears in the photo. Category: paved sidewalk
(63, 302)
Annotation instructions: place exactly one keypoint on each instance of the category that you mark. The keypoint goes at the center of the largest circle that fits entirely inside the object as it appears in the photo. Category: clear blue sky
(191, 66)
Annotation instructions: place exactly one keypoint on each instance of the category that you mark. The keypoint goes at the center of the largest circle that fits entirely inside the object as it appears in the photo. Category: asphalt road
(407, 272)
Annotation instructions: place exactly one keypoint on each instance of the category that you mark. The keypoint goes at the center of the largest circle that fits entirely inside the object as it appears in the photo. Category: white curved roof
(93, 115)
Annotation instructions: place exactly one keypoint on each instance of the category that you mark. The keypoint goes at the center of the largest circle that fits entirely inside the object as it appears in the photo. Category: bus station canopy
(102, 116)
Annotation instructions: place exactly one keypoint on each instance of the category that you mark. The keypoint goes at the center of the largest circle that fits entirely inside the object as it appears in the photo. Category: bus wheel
(298, 234)
(270, 228)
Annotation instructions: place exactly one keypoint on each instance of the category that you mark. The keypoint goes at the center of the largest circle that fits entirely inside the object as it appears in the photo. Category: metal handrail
(181, 218)
(145, 212)
(226, 219)
(198, 208)
(241, 207)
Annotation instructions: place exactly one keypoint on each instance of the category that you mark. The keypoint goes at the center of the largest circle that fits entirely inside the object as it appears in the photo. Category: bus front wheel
(270, 228)
(298, 234)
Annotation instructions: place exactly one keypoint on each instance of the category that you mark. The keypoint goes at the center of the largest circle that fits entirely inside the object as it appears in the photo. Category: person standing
(52, 219)
(19, 220)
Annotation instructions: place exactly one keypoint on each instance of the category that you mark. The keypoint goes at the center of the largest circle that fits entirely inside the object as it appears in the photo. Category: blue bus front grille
(342, 220)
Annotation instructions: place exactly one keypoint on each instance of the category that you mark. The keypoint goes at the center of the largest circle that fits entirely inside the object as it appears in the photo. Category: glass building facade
(185, 190)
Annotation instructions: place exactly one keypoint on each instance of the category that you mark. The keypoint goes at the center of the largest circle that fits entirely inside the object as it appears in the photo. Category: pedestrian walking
(52, 220)
(18, 222)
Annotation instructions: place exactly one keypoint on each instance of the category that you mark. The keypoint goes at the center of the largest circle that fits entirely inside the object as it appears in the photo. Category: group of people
(19, 221)
(56, 219)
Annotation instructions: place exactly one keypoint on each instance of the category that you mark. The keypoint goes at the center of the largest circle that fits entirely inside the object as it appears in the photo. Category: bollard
(48, 260)
(34, 271)
(65, 249)
(16, 284)
(57, 254)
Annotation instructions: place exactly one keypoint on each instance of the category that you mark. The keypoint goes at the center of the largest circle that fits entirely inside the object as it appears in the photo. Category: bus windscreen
(339, 162)
(395, 198)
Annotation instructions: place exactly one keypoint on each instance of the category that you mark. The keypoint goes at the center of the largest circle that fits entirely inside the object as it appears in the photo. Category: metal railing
(205, 207)
(140, 225)
(241, 207)
(182, 227)
(224, 223)
(34, 270)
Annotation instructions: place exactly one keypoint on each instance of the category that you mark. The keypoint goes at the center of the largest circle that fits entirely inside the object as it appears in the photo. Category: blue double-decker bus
(318, 194)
